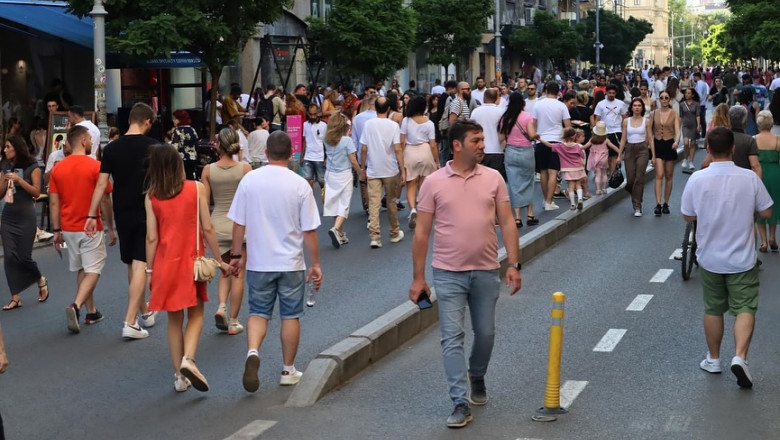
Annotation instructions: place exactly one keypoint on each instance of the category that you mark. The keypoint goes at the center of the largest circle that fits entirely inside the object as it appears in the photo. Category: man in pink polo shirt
(465, 198)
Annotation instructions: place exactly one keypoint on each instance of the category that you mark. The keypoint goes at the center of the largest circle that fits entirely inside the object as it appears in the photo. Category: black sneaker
(384, 202)
(657, 210)
(666, 209)
(93, 318)
(400, 206)
(460, 416)
(478, 391)
(72, 314)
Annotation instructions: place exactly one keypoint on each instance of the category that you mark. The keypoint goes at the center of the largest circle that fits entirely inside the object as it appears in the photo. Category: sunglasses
(664, 98)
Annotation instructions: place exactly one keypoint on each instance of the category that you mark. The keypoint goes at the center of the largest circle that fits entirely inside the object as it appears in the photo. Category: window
(510, 13)
(637, 2)
(529, 15)
(315, 8)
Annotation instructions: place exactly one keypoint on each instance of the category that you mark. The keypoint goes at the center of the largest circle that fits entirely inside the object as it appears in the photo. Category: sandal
(762, 248)
(13, 304)
(530, 220)
(773, 245)
(518, 223)
(41, 288)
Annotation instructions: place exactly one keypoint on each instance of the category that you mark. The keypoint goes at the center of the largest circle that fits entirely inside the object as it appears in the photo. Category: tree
(365, 37)
(215, 30)
(713, 48)
(549, 37)
(449, 29)
(754, 29)
(620, 37)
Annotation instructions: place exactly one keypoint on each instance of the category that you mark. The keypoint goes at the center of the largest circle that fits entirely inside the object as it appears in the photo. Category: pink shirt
(465, 211)
(516, 137)
(571, 156)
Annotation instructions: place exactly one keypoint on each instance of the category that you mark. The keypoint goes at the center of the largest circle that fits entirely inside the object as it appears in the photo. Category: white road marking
(676, 255)
(639, 303)
(610, 340)
(661, 275)
(570, 390)
(252, 430)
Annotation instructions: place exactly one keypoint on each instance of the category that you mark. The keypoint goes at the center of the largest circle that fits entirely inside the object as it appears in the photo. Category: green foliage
(713, 48)
(365, 37)
(620, 37)
(449, 28)
(549, 37)
(754, 29)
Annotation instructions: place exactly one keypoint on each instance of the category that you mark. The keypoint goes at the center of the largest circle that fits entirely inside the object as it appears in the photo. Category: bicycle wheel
(688, 250)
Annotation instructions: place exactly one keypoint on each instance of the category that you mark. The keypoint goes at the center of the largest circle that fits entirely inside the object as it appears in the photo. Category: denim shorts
(314, 171)
(265, 287)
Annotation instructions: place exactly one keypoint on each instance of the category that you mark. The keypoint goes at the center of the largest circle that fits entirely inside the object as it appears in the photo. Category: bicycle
(689, 250)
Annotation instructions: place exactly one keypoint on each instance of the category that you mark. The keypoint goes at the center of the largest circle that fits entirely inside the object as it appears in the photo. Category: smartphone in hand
(424, 301)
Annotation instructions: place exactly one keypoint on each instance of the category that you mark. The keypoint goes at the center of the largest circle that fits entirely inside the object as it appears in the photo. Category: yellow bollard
(552, 395)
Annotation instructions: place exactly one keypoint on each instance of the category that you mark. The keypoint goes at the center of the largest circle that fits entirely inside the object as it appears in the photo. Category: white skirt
(338, 193)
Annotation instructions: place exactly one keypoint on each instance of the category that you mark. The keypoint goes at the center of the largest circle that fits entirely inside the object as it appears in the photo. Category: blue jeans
(265, 287)
(479, 290)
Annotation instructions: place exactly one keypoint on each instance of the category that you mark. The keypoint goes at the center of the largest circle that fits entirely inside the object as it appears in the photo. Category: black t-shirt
(126, 160)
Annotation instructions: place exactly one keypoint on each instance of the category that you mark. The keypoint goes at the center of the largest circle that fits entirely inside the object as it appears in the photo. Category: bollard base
(548, 414)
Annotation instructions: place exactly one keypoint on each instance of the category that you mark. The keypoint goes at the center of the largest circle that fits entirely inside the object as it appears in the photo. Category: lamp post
(598, 44)
(497, 26)
(98, 14)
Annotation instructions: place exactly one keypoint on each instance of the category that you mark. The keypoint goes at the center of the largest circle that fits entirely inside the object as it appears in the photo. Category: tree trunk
(215, 74)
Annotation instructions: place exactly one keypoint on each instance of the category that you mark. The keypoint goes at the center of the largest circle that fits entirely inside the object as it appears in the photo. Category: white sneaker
(710, 365)
(550, 206)
(148, 319)
(637, 213)
(235, 327)
(684, 164)
(181, 383)
(398, 237)
(691, 166)
(368, 224)
(290, 378)
(42, 235)
(334, 237)
(376, 244)
(739, 367)
(343, 238)
(413, 219)
(131, 332)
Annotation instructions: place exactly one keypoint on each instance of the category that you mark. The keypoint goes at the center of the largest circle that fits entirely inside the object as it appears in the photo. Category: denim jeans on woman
(455, 290)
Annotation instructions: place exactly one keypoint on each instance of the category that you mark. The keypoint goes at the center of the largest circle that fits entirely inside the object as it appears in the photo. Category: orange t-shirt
(73, 180)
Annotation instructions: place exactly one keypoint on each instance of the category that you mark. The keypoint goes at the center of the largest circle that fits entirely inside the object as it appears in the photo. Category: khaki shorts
(84, 252)
(736, 292)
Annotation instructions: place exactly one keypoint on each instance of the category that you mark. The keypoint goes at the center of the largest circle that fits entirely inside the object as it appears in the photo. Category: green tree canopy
(620, 37)
(549, 37)
(448, 29)
(713, 48)
(754, 29)
(365, 37)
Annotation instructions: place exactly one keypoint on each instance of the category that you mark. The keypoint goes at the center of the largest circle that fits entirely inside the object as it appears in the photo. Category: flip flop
(16, 305)
(41, 287)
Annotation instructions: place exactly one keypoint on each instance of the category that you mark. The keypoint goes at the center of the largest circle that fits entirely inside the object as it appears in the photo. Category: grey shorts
(85, 252)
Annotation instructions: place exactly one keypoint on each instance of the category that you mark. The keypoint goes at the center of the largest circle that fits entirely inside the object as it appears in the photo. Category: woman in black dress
(17, 226)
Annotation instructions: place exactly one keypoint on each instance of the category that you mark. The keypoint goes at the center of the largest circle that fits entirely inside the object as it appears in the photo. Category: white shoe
(710, 365)
(691, 166)
(148, 319)
(413, 219)
(368, 224)
(334, 237)
(290, 378)
(684, 164)
(42, 235)
(181, 384)
(191, 372)
(376, 244)
(130, 332)
(550, 206)
(398, 237)
(343, 238)
(637, 213)
(739, 367)
(235, 327)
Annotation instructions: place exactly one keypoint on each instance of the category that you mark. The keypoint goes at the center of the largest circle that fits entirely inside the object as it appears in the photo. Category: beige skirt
(418, 161)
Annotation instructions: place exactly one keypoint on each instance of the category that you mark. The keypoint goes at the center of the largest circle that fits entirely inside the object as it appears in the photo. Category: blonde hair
(337, 127)
(764, 120)
(582, 97)
(228, 141)
(720, 117)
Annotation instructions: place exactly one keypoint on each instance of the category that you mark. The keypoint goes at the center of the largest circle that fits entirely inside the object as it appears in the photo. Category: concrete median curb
(380, 337)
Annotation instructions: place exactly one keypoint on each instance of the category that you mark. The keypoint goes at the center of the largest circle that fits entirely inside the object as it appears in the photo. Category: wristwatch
(235, 256)
(517, 266)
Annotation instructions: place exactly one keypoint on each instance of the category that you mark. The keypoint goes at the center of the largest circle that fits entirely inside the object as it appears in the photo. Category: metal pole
(598, 41)
(683, 37)
(671, 43)
(497, 26)
(98, 14)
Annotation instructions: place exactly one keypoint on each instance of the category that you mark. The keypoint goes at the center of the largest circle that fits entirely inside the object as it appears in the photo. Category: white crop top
(636, 135)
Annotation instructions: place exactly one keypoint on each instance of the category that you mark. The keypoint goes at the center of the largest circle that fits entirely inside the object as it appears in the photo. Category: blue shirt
(338, 155)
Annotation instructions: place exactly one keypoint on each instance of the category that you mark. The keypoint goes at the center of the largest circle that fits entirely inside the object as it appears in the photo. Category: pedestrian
(421, 153)
(125, 160)
(745, 147)
(22, 178)
(382, 158)
(724, 200)
(358, 122)
(220, 181)
(276, 211)
(597, 160)
(177, 221)
(550, 117)
(572, 159)
(702, 90)
(689, 120)
(637, 135)
(313, 155)
(341, 160)
(488, 116)
(256, 142)
(76, 117)
(70, 190)
(665, 126)
(465, 261)
(185, 139)
(517, 130)
(612, 111)
(769, 156)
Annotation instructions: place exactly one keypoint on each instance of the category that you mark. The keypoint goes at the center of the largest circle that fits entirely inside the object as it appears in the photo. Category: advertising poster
(295, 131)
(58, 130)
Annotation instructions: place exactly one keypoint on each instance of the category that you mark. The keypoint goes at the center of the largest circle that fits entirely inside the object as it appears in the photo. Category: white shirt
(94, 133)
(488, 116)
(357, 128)
(479, 95)
(530, 103)
(313, 135)
(243, 145)
(417, 134)
(276, 205)
(54, 157)
(549, 115)
(256, 145)
(658, 87)
(611, 112)
(438, 90)
(244, 100)
(381, 135)
(703, 90)
(724, 198)
(775, 84)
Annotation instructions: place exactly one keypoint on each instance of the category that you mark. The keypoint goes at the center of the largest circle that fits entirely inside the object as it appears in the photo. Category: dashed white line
(610, 340)
(570, 390)
(252, 430)
(676, 255)
(639, 303)
(661, 275)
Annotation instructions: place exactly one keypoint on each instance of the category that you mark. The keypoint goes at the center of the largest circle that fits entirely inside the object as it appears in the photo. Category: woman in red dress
(171, 222)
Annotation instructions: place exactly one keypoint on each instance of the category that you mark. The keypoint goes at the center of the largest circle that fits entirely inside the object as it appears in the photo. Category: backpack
(265, 107)
(444, 122)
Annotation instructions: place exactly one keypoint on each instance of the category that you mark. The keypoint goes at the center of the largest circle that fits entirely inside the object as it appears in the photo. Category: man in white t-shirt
(76, 117)
(612, 112)
(256, 142)
(358, 122)
(550, 117)
(775, 82)
(313, 154)
(479, 93)
(724, 200)
(531, 98)
(488, 115)
(659, 85)
(438, 89)
(276, 211)
(383, 159)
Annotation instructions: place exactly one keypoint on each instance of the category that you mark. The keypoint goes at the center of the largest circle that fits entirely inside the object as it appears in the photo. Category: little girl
(597, 160)
(572, 158)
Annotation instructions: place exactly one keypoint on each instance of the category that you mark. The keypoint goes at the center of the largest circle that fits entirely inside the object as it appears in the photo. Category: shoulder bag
(204, 268)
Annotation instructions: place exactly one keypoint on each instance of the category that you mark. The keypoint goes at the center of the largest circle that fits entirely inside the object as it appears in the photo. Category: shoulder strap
(197, 221)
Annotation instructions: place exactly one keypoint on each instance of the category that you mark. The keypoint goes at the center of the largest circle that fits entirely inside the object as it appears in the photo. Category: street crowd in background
(499, 138)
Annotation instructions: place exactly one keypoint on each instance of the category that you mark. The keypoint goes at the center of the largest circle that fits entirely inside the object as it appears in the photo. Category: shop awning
(49, 18)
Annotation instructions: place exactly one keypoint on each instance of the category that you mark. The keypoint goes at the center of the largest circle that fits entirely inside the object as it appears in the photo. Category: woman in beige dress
(221, 179)
(421, 154)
